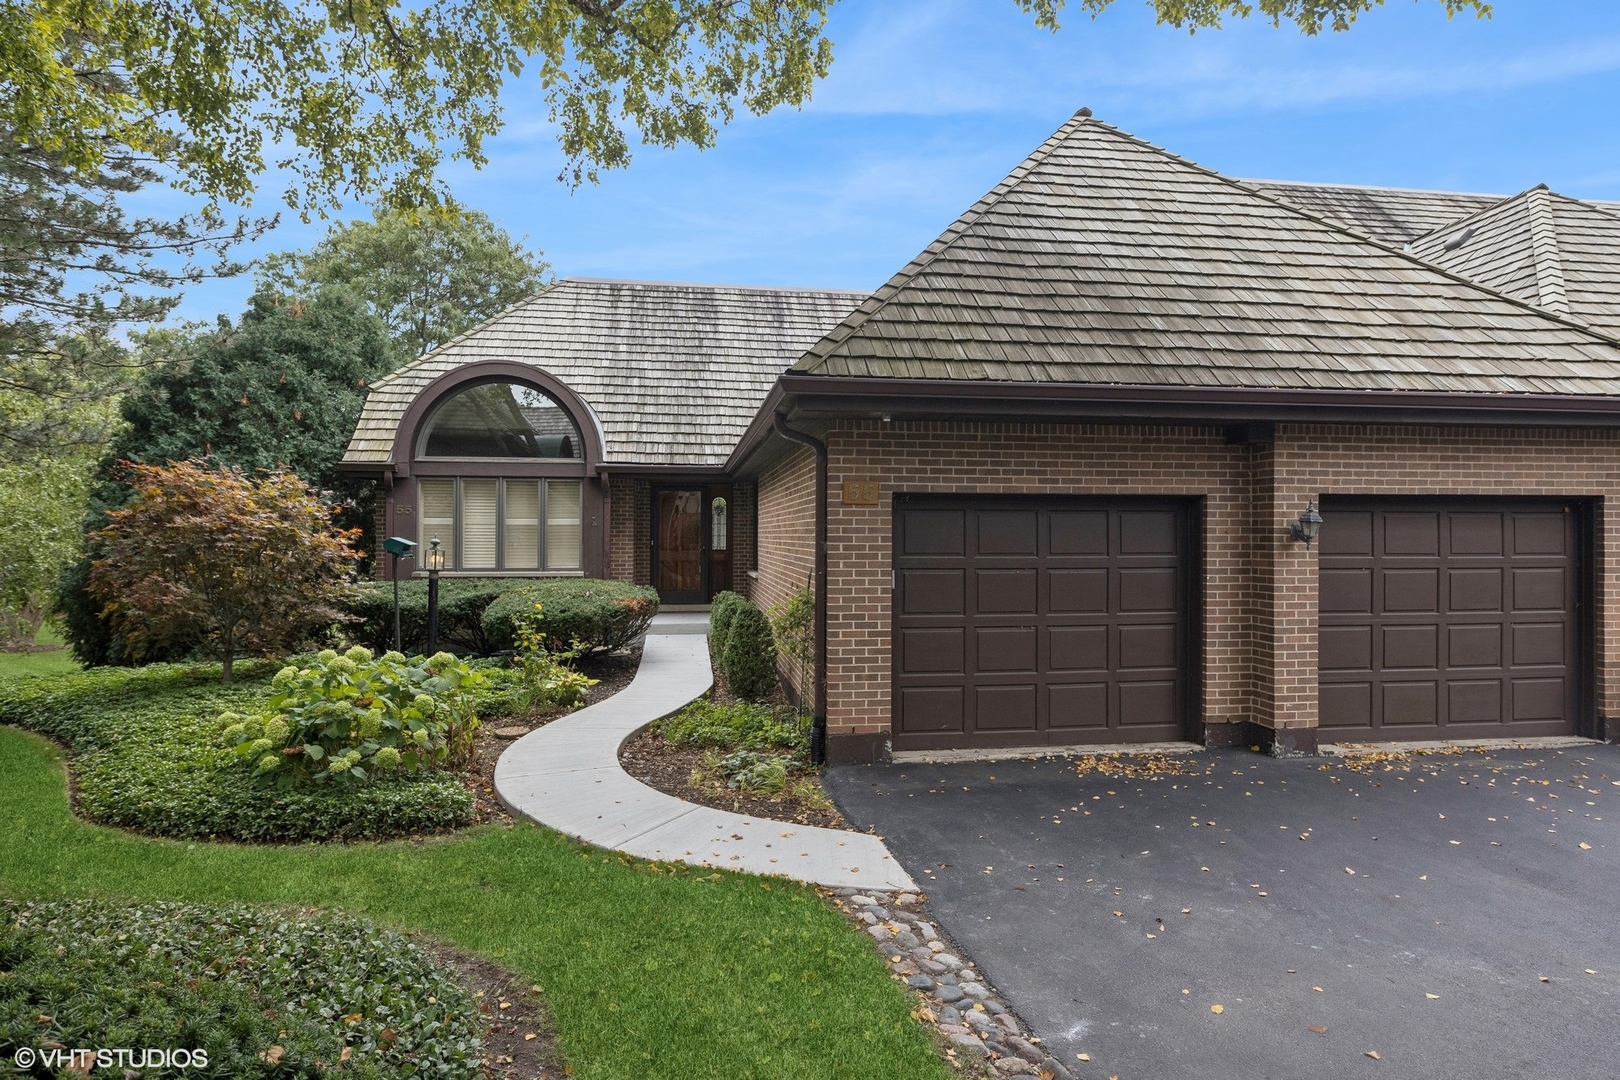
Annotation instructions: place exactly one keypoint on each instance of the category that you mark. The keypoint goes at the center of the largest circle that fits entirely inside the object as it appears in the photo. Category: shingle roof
(674, 373)
(1548, 249)
(1102, 259)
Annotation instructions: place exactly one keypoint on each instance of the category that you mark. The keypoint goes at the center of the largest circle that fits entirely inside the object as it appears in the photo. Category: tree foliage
(74, 268)
(372, 95)
(41, 513)
(428, 275)
(216, 556)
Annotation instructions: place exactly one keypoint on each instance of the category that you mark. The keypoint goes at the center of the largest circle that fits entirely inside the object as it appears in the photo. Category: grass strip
(650, 971)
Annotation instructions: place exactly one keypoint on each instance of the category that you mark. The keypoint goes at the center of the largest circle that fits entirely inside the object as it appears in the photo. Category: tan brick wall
(630, 542)
(742, 535)
(786, 501)
(1258, 593)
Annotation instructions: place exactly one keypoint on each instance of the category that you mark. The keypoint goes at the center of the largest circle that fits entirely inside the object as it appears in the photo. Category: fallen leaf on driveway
(1589, 971)
(1318, 989)
(1585, 846)
(1083, 1057)
(1217, 1009)
(1349, 871)
(1121, 914)
(1374, 1055)
(1320, 1029)
(1458, 842)
(1432, 997)
(1545, 979)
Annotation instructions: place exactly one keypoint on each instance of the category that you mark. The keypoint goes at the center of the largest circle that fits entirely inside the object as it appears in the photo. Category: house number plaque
(860, 493)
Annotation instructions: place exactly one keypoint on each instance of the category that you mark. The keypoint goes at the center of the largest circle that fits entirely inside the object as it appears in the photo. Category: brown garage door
(1448, 619)
(1039, 621)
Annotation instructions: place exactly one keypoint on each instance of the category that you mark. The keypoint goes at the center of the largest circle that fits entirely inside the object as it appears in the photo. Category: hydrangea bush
(346, 718)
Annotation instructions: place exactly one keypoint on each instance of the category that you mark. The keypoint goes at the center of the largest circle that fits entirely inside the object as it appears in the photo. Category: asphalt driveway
(1454, 915)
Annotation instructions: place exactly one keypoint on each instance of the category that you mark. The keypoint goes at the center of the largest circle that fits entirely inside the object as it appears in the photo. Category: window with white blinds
(485, 523)
(563, 524)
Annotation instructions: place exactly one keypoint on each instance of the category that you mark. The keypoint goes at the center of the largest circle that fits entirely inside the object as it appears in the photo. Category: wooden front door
(680, 564)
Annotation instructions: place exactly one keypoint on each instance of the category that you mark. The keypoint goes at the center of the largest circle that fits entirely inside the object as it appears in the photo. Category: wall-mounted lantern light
(1309, 524)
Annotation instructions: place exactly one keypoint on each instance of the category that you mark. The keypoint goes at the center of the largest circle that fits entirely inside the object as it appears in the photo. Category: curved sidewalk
(567, 776)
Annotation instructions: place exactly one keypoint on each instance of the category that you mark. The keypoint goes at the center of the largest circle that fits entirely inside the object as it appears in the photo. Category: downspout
(818, 722)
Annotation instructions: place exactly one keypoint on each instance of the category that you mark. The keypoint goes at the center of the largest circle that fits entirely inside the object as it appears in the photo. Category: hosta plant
(346, 718)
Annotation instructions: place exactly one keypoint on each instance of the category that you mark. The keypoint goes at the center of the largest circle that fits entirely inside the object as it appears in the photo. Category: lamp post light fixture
(398, 548)
(433, 562)
(1309, 524)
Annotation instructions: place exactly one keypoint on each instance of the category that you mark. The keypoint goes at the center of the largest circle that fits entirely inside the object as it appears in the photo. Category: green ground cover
(649, 971)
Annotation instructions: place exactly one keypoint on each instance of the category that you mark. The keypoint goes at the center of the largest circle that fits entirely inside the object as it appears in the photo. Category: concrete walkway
(567, 776)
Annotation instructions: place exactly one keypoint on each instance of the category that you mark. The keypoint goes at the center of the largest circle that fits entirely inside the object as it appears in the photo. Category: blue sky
(931, 102)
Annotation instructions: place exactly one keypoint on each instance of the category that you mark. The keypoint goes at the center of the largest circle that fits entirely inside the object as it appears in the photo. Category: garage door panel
(1539, 534)
(1148, 590)
(1411, 533)
(1078, 532)
(1345, 648)
(1345, 705)
(1538, 589)
(1004, 708)
(1000, 649)
(1538, 643)
(1346, 591)
(1078, 648)
(1411, 590)
(933, 592)
(930, 709)
(1078, 705)
(1475, 590)
(1475, 534)
(937, 651)
(1007, 532)
(1475, 646)
(1477, 701)
(1077, 591)
(1411, 703)
(1005, 592)
(1471, 618)
(1147, 647)
(1039, 620)
(1411, 647)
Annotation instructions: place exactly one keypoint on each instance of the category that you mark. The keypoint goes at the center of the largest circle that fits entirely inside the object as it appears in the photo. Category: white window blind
(522, 525)
(437, 513)
(562, 524)
(478, 524)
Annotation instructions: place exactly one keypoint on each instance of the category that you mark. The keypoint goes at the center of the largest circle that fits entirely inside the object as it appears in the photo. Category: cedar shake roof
(674, 373)
(1392, 216)
(1541, 247)
(1104, 260)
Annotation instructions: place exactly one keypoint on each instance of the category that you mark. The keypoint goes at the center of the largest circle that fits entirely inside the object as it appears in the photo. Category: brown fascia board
(832, 396)
(630, 468)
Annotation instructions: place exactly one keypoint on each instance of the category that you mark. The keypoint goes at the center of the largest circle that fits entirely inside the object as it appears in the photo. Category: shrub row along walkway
(567, 776)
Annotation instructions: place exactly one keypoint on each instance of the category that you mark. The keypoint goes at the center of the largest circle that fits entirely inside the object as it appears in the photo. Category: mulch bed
(614, 671)
(518, 1040)
(658, 764)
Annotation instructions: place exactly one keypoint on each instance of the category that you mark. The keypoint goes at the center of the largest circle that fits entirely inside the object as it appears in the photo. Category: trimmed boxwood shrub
(461, 612)
(600, 615)
(336, 995)
(722, 609)
(749, 659)
(148, 755)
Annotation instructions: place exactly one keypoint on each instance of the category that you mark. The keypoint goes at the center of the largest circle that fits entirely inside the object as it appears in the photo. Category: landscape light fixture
(433, 562)
(398, 548)
(1309, 524)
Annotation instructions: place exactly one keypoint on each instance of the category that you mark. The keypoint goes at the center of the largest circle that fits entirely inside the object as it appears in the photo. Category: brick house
(1049, 481)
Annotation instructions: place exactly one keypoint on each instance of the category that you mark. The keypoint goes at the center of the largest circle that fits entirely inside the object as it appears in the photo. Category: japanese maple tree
(235, 561)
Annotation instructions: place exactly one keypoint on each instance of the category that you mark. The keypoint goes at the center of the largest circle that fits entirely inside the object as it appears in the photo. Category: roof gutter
(818, 723)
(829, 395)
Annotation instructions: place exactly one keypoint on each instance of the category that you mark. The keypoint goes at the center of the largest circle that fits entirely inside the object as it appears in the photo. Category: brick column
(1285, 598)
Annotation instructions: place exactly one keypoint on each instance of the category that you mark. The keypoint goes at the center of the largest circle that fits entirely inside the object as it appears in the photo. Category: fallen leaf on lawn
(1432, 997)
(506, 1004)
(530, 1037)
(1217, 1009)
(348, 1052)
(1320, 1029)
(1585, 846)
(273, 1056)
(1374, 1055)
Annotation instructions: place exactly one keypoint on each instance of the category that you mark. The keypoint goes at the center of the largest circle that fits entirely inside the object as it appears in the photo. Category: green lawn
(648, 972)
(39, 663)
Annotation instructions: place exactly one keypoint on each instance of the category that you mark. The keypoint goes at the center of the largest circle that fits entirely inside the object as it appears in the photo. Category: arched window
(719, 534)
(499, 420)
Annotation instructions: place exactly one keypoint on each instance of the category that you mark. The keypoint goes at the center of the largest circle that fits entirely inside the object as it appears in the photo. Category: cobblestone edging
(956, 999)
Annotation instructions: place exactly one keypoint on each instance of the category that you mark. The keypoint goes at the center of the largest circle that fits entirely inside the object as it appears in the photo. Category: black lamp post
(1309, 524)
(399, 548)
(433, 562)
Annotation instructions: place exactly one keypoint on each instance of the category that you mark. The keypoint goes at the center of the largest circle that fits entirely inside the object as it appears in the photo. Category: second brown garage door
(1448, 619)
(1039, 621)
